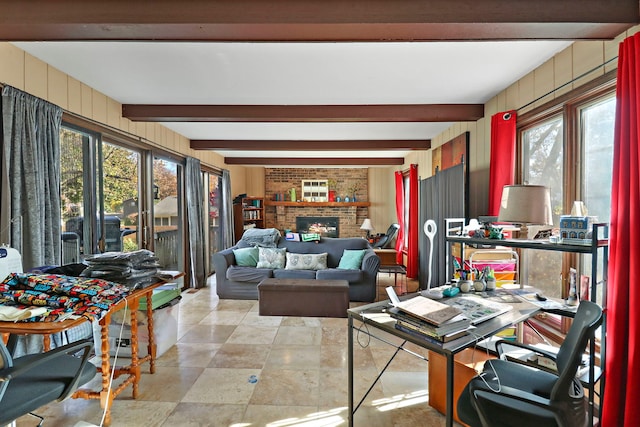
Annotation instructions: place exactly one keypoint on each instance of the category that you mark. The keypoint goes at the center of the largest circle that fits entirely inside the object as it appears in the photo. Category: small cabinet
(315, 190)
(248, 213)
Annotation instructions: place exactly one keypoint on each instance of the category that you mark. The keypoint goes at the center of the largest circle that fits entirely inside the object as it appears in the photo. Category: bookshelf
(248, 213)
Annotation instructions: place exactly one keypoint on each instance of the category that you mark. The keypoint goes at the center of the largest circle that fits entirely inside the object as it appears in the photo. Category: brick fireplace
(281, 180)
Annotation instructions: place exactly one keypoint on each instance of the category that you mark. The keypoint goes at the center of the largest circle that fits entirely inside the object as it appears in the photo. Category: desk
(132, 302)
(374, 316)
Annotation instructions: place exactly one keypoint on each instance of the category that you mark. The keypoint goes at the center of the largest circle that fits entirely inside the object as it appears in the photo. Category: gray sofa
(237, 282)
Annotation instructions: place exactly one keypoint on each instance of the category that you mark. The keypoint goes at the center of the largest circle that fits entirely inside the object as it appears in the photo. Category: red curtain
(503, 157)
(622, 365)
(412, 240)
(400, 216)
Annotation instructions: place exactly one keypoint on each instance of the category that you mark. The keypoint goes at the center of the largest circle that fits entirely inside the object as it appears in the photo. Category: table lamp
(366, 225)
(525, 205)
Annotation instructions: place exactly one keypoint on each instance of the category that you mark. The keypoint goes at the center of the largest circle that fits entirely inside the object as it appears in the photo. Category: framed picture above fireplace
(326, 226)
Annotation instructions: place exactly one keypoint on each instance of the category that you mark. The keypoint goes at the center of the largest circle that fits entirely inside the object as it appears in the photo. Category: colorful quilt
(64, 296)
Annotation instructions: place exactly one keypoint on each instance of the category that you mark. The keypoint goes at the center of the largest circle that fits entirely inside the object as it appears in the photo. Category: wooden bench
(303, 297)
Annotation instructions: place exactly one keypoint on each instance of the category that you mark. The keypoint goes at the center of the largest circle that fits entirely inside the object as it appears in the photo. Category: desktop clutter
(441, 322)
(465, 281)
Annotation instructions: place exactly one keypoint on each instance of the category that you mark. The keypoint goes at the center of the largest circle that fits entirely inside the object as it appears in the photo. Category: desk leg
(449, 412)
(350, 368)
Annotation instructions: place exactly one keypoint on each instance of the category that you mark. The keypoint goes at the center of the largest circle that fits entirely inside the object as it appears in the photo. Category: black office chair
(513, 394)
(386, 239)
(34, 380)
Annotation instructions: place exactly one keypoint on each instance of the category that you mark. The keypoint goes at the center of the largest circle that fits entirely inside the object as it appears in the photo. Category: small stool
(303, 297)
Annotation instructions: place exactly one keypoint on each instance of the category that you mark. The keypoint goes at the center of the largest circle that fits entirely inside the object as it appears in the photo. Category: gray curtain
(226, 212)
(30, 177)
(194, 197)
(441, 196)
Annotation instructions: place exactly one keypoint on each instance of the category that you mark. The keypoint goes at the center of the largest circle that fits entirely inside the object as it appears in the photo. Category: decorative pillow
(306, 261)
(352, 259)
(246, 257)
(271, 257)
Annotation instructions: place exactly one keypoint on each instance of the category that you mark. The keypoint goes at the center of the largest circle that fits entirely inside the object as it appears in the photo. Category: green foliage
(129, 245)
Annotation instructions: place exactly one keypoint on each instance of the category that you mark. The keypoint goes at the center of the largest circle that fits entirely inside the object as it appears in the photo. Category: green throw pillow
(246, 257)
(352, 259)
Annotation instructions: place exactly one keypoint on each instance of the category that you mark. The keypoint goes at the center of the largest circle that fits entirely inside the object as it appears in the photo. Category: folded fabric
(13, 314)
(266, 238)
(61, 296)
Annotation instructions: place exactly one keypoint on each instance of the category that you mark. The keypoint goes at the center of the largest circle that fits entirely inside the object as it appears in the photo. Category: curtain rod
(615, 58)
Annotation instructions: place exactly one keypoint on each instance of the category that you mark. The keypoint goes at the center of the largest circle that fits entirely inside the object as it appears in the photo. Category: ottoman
(303, 297)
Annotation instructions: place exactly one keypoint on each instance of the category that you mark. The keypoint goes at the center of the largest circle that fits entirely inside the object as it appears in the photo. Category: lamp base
(523, 233)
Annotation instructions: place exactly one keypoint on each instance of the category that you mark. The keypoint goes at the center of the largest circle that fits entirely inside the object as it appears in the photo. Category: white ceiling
(298, 73)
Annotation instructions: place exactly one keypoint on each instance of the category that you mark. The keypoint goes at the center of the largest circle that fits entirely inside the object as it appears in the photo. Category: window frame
(568, 106)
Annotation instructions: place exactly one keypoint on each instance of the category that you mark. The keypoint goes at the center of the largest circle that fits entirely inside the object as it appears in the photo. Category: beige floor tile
(287, 387)
(205, 414)
(294, 357)
(252, 318)
(223, 385)
(241, 356)
(191, 355)
(168, 384)
(253, 335)
(302, 321)
(299, 335)
(216, 334)
(334, 335)
(286, 416)
(223, 318)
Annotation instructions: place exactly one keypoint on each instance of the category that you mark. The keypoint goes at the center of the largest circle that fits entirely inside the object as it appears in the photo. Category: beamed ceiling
(306, 82)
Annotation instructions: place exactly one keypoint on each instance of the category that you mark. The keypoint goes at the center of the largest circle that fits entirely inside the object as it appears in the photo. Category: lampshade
(366, 225)
(526, 204)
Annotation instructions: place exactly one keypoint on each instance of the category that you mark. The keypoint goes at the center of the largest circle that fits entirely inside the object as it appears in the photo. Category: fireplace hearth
(326, 226)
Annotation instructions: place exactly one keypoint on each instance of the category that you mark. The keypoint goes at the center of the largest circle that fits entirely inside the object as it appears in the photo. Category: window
(542, 148)
(567, 145)
(167, 213)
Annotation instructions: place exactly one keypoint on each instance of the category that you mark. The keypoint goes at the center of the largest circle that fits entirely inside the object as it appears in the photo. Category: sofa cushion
(306, 261)
(248, 274)
(246, 257)
(352, 259)
(351, 276)
(294, 274)
(271, 257)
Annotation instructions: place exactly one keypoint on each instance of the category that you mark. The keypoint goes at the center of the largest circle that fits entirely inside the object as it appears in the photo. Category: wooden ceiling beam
(253, 145)
(315, 161)
(315, 20)
(304, 113)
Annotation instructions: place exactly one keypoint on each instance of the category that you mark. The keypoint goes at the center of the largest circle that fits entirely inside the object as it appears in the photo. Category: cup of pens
(466, 283)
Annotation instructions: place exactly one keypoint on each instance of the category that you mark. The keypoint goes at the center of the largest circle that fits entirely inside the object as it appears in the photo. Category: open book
(424, 308)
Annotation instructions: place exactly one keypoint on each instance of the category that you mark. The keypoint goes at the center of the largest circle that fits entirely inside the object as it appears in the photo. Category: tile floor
(232, 367)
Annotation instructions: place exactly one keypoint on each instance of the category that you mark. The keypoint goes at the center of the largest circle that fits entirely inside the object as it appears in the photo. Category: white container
(165, 333)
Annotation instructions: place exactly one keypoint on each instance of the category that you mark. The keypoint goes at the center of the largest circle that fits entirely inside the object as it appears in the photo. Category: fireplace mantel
(282, 206)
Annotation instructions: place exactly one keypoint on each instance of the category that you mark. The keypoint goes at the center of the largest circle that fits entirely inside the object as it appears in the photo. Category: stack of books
(430, 320)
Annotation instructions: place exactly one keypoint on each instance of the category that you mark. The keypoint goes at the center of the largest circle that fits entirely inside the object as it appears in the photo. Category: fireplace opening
(326, 226)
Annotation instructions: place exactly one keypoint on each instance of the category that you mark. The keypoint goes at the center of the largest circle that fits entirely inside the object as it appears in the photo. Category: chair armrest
(371, 262)
(85, 346)
(501, 343)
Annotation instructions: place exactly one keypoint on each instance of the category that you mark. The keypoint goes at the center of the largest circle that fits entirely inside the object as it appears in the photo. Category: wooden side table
(132, 371)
